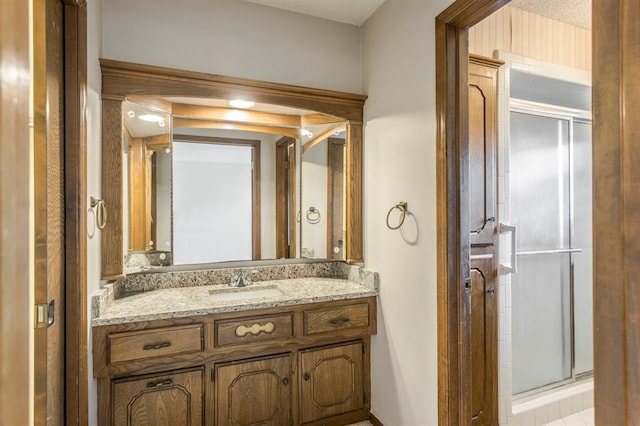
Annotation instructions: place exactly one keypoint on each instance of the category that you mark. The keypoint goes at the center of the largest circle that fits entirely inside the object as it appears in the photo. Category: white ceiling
(354, 12)
(576, 12)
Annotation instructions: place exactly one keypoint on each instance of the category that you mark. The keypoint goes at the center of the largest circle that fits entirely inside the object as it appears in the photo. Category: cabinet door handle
(306, 376)
(285, 381)
(158, 346)
(340, 321)
(165, 382)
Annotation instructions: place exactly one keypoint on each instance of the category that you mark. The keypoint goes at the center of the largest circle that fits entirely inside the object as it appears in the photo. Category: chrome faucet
(243, 279)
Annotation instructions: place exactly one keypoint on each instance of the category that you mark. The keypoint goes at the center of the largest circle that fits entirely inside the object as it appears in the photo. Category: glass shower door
(541, 206)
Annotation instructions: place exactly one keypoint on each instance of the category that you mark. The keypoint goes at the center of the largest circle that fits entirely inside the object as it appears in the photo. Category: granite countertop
(167, 301)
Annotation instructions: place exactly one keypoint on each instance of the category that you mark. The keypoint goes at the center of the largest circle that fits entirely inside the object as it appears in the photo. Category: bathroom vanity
(171, 349)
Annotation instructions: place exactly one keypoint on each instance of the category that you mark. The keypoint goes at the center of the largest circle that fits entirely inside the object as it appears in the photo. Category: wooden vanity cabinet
(331, 381)
(292, 365)
(174, 398)
(253, 392)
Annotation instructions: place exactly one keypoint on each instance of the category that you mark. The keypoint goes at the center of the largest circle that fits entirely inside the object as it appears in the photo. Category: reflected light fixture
(151, 117)
(241, 103)
(131, 114)
(306, 133)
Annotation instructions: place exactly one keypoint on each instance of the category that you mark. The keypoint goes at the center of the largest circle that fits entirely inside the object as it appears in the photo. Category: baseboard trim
(374, 420)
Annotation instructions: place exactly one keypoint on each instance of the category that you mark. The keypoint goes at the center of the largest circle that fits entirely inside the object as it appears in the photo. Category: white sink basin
(241, 293)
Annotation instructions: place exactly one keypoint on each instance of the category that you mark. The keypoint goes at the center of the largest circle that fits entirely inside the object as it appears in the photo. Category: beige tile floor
(583, 418)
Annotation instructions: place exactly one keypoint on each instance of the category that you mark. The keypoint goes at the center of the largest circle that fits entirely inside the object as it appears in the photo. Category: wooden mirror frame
(122, 80)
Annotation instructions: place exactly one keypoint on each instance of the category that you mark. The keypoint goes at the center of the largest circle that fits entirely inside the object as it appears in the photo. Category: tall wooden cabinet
(483, 239)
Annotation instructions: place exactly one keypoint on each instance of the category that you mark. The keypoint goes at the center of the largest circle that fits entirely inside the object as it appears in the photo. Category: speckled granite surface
(148, 297)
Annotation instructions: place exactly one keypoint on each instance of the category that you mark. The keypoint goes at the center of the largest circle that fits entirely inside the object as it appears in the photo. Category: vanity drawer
(133, 345)
(254, 329)
(339, 318)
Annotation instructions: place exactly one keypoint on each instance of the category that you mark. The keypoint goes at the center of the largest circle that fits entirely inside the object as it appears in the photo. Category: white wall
(234, 38)
(399, 78)
(94, 168)
(212, 203)
(267, 181)
(313, 179)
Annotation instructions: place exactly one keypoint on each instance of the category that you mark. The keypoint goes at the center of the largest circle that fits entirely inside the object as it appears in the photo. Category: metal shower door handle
(513, 267)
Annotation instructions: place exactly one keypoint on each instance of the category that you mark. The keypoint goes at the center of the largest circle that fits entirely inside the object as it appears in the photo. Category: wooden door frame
(15, 263)
(75, 208)
(285, 198)
(616, 156)
(331, 144)
(616, 210)
(452, 169)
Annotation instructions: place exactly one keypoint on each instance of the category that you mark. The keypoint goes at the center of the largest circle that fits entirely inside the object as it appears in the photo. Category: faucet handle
(248, 277)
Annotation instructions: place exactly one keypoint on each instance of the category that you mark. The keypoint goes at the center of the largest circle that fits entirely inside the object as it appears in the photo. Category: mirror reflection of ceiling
(575, 12)
(140, 128)
(305, 125)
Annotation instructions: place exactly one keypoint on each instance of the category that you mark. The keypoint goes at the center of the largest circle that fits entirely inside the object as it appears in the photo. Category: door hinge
(44, 314)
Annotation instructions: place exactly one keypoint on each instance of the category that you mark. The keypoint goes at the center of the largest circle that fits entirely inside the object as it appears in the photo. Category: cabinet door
(331, 381)
(484, 372)
(161, 399)
(253, 392)
(482, 150)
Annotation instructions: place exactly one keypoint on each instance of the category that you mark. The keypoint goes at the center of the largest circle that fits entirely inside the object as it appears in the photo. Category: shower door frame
(572, 116)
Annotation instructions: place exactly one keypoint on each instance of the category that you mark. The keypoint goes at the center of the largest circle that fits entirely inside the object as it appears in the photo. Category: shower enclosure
(550, 204)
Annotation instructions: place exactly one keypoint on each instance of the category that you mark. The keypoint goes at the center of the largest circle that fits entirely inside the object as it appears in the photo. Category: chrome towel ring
(101, 212)
(313, 215)
(402, 206)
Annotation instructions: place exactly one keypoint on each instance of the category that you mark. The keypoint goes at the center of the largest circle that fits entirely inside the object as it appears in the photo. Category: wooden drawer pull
(158, 346)
(339, 321)
(255, 329)
(165, 382)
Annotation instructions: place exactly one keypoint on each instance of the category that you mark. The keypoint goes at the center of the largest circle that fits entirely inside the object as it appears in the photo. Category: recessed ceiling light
(306, 133)
(241, 103)
(131, 114)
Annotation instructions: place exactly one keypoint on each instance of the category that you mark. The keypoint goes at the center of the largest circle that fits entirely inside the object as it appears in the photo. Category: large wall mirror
(190, 178)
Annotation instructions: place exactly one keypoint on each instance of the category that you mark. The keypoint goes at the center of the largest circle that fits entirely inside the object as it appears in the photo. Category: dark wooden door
(484, 372)
(49, 243)
(331, 381)
(159, 400)
(254, 392)
(482, 151)
(483, 238)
